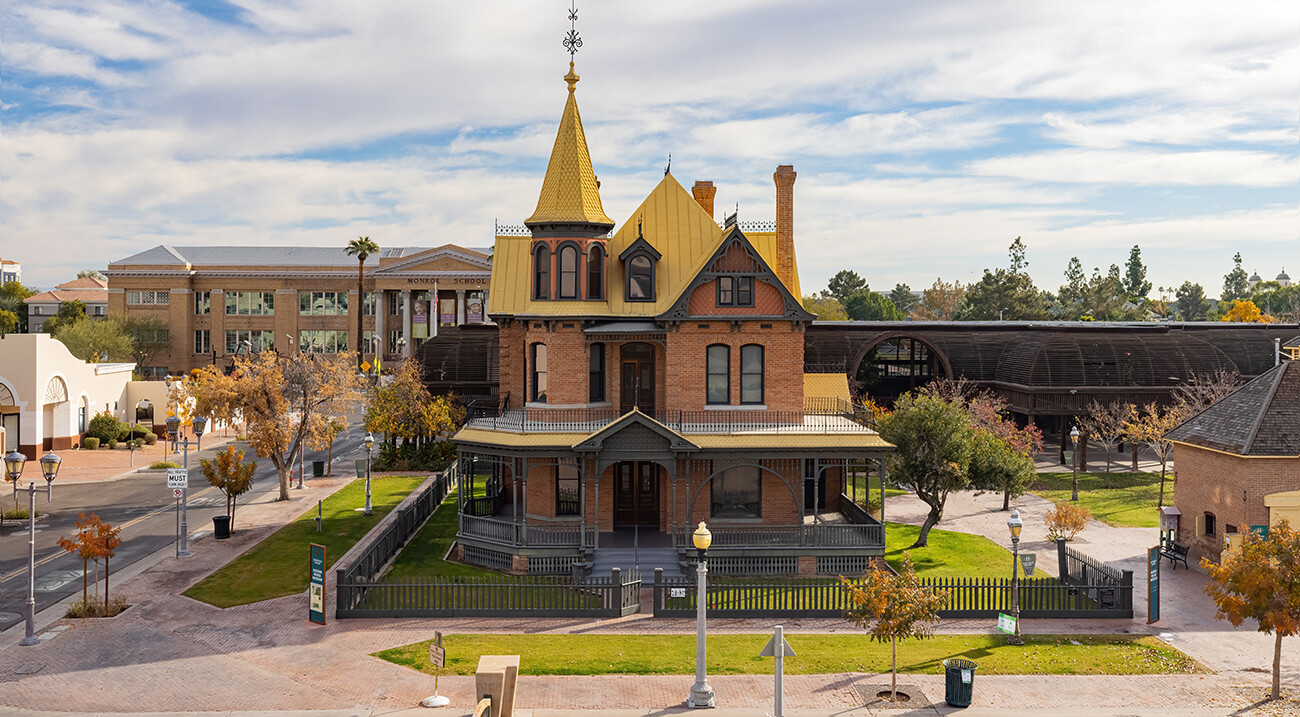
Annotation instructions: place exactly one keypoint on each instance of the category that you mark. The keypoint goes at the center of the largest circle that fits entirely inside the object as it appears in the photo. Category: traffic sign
(177, 492)
(178, 478)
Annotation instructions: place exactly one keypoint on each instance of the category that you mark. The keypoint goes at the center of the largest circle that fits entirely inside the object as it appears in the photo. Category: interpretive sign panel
(1006, 624)
(1153, 584)
(316, 603)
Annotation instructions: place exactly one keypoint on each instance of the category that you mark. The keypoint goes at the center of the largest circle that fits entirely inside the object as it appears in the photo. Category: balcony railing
(821, 535)
(820, 415)
(515, 534)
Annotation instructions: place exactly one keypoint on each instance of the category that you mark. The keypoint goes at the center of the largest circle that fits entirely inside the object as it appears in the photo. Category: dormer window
(735, 291)
(541, 272)
(640, 278)
(596, 273)
(568, 271)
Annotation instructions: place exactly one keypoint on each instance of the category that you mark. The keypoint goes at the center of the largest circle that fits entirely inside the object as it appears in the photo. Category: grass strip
(949, 555)
(422, 557)
(731, 654)
(278, 565)
(1130, 502)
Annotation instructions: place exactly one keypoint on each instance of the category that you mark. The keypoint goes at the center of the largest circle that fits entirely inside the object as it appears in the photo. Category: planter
(221, 527)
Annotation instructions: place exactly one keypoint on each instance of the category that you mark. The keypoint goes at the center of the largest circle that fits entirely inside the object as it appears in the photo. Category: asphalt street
(141, 504)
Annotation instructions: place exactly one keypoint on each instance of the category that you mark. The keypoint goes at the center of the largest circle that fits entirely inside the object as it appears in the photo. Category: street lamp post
(1014, 524)
(14, 463)
(370, 442)
(701, 694)
(197, 425)
(1074, 436)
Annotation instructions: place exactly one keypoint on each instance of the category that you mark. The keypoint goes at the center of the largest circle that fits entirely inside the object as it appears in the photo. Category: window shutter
(1200, 525)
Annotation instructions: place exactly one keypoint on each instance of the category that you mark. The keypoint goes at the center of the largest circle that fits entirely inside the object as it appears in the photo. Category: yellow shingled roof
(703, 440)
(826, 385)
(671, 221)
(569, 192)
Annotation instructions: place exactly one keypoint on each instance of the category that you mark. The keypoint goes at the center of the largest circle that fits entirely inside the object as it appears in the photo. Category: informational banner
(1153, 584)
(474, 309)
(316, 603)
(420, 318)
(1006, 623)
(447, 310)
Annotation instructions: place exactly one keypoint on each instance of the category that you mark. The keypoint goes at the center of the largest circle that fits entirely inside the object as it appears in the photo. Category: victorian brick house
(651, 377)
(1239, 463)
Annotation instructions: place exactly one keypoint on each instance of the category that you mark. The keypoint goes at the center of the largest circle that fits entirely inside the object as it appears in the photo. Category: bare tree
(1108, 424)
(1203, 389)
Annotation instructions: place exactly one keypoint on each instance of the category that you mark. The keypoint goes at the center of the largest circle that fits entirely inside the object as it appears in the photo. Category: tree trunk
(1135, 458)
(1277, 664)
(1162, 484)
(283, 472)
(105, 585)
(85, 589)
(361, 297)
(1006, 500)
(234, 499)
(931, 519)
(329, 460)
(1105, 483)
(893, 669)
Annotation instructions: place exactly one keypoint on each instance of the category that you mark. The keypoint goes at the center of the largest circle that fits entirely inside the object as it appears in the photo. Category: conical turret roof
(569, 193)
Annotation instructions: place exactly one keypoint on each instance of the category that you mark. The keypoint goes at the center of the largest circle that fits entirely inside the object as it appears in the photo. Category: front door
(636, 494)
(638, 378)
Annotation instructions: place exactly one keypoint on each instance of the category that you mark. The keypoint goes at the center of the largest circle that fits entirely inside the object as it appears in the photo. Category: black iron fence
(1076, 568)
(826, 597)
(615, 595)
(374, 551)
(820, 415)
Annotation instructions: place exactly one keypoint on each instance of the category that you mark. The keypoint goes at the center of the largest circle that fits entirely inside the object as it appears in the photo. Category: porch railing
(766, 536)
(820, 415)
(506, 532)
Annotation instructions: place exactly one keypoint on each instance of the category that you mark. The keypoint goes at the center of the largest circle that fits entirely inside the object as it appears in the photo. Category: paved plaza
(170, 654)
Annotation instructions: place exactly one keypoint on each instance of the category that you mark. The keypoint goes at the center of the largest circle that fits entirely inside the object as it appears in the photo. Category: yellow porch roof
(717, 441)
(826, 385)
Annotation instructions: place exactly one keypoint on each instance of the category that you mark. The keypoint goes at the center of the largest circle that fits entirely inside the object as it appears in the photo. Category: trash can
(958, 682)
(221, 526)
(318, 468)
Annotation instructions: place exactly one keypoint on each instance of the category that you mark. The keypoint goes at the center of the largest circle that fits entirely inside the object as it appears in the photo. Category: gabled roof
(87, 296)
(734, 239)
(1262, 418)
(474, 257)
(85, 282)
(635, 417)
(569, 192)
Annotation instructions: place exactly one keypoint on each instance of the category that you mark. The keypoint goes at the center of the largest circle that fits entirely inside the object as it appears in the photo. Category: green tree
(892, 608)
(69, 313)
(1280, 302)
(933, 440)
(96, 341)
(1191, 304)
(826, 307)
(1006, 293)
(149, 335)
(1076, 284)
(845, 284)
(1236, 285)
(1135, 275)
(996, 466)
(867, 305)
(93, 273)
(903, 298)
(1260, 581)
(361, 248)
(12, 294)
(8, 322)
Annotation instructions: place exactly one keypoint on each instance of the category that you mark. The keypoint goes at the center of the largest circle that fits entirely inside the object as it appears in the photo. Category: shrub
(150, 439)
(96, 608)
(123, 432)
(17, 514)
(112, 443)
(138, 443)
(103, 426)
(139, 431)
(1066, 521)
(159, 465)
(90, 443)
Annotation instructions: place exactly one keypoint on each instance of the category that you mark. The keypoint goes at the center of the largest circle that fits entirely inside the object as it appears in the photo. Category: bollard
(318, 516)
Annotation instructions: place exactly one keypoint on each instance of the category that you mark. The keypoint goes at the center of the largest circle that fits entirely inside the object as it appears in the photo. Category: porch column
(460, 307)
(883, 476)
(514, 491)
(523, 527)
(406, 323)
(599, 470)
(582, 497)
(435, 315)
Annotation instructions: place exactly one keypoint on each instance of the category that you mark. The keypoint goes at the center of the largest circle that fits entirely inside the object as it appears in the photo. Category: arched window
(718, 373)
(751, 373)
(640, 278)
(736, 493)
(539, 373)
(568, 272)
(596, 273)
(541, 272)
(597, 373)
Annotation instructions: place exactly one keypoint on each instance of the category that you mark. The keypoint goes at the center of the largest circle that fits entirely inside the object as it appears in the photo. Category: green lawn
(863, 482)
(1130, 502)
(949, 555)
(816, 654)
(422, 557)
(278, 565)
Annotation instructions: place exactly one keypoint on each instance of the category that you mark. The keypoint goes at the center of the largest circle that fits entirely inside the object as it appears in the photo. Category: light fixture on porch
(1015, 524)
(701, 694)
(1074, 436)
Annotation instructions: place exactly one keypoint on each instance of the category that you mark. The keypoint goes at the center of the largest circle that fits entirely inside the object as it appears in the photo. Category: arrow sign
(777, 647)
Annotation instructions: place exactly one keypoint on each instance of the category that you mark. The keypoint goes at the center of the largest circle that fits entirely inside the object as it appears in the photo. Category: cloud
(1147, 167)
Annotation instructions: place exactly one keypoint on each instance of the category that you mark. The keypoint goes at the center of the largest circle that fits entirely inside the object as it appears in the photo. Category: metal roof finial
(571, 41)
(670, 164)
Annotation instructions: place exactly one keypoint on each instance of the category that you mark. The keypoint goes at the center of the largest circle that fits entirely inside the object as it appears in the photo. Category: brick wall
(783, 363)
(512, 362)
(767, 301)
(1232, 488)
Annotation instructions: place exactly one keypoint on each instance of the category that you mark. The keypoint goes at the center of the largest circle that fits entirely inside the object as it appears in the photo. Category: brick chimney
(704, 193)
(784, 178)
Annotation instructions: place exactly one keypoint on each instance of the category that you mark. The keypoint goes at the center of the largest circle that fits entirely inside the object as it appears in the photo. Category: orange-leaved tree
(892, 608)
(1245, 312)
(84, 546)
(228, 473)
(1260, 581)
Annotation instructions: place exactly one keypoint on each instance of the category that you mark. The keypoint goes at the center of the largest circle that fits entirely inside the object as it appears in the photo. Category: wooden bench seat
(1176, 552)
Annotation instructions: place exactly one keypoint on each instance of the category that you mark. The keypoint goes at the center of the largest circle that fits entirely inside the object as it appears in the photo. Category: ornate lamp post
(1014, 524)
(1074, 436)
(370, 442)
(50, 463)
(701, 693)
(173, 432)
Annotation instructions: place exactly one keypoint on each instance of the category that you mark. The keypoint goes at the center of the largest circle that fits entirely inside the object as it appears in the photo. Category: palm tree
(361, 247)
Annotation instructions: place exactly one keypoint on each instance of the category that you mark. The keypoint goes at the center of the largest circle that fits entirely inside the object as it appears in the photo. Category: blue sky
(926, 135)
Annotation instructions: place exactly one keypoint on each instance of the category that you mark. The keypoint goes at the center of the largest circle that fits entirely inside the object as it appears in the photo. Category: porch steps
(626, 558)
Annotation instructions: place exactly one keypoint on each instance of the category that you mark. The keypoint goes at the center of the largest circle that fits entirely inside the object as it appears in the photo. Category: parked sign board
(1153, 584)
(178, 478)
(437, 655)
(316, 603)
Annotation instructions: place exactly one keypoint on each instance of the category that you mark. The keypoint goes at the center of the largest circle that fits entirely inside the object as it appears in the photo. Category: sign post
(777, 648)
(1153, 584)
(178, 479)
(438, 660)
(316, 602)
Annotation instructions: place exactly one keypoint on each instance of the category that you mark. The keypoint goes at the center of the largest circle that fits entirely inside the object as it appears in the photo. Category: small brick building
(651, 377)
(1239, 463)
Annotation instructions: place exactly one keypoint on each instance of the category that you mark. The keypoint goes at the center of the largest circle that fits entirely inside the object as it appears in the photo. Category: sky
(926, 135)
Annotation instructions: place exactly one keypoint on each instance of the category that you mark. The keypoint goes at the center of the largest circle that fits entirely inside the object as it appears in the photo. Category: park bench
(1176, 552)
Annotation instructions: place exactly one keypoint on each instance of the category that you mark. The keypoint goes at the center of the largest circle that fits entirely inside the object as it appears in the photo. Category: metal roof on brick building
(1262, 418)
